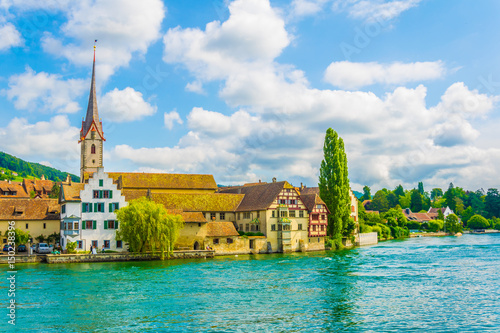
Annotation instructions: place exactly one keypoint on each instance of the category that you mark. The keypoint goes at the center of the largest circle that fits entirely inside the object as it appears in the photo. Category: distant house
(37, 216)
(40, 187)
(446, 211)
(418, 217)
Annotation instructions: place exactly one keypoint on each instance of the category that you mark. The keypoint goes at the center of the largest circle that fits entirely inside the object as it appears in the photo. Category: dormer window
(92, 148)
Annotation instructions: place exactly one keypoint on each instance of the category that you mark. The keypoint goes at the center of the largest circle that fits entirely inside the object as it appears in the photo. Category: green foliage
(405, 200)
(32, 169)
(53, 238)
(385, 231)
(258, 233)
(478, 222)
(372, 218)
(492, 203)
(334, 184)
(413, 225)
(54, 192)
(21, 237)
(334, 243)
(40, 238)
(366, 194)
(452, 224)
(365, 228)
(147, 226)
(435, 226)
(495, 223)
(395, 217)
(380, 202)
(71, 247)
(421, 188)
(416, 201)
(440, 215)
(436, 193)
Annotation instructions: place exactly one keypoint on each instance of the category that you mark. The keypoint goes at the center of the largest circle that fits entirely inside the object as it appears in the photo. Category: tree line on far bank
(476, 209)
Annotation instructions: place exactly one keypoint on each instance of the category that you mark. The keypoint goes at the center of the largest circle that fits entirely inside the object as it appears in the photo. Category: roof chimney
(301, 186)
(260, 181)
(68, 179)
(43, 177)
(274, 179)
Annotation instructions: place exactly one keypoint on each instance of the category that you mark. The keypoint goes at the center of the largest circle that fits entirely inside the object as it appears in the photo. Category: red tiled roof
(139, 180)
(221, 229)
(257, 197)
(6, 186)
(71, 192)
(311, 200)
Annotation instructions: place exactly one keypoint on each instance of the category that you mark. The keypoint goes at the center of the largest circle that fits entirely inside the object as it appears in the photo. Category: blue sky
(246, 89)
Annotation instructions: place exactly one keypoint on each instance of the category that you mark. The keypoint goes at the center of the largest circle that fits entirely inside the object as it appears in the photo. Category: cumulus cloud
(44, 92)
(300, 8)
(374, 10)
(170, 118)
(122, 28)
(9, 37)
(125, 105)
(352, 75)
(43, 140)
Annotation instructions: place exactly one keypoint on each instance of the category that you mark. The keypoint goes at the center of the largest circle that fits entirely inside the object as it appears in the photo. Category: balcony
(71, 232)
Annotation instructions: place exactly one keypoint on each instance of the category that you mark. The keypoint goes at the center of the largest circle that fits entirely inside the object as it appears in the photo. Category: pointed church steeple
(91, 134)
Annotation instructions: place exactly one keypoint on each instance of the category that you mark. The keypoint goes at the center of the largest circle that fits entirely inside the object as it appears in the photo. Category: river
(444, 284)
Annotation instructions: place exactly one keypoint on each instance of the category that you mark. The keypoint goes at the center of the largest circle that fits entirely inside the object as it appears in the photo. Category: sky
(246, 89)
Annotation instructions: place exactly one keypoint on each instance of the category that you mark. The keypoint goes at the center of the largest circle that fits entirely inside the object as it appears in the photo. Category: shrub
(414, 225)
(378, 230)
(70, 247)
(478, 222)
(241, 232)
(364, 228)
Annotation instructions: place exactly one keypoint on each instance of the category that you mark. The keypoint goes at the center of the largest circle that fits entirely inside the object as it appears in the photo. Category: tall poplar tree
(334, 184)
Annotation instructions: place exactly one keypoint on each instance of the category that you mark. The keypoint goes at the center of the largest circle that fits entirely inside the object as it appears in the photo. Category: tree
(380, 202)
(71, 247)
(449, 197)
(421, 188)
(452, 224)
(440, 214)
(147, 226)
(21, 237)
(366, 194)
(54, 192)
(399, 191)
(416, 201)
(478, 222)
(392, 199)
(334, 184)
(492, 203)
(467, 214)
(436, 193)
(53, 238)
(40, 238)
(405, 200)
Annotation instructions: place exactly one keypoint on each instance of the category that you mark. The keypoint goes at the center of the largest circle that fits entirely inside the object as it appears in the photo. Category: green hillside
(9, 164)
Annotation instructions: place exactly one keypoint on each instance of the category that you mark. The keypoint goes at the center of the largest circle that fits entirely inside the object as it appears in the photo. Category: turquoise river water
(444, 284)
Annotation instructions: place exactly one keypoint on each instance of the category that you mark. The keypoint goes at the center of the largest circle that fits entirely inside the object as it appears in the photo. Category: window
(352, 209)
(63, 209)
(319, 206)
(69, 226)
(89, 225)
(45, 225)
(247, 227)
(246, 215)
(216, 241)
(112, 206)
(273, 227)
(286, 227)
(222, 216)
(258, 214)
(118, 244)
(75, 225)
(299, 226)
(229, 241)
(106, 244)
(322, 228)
(314, 228)
(79, 244)
(293, 202)
(199, 225)
(239, 217)
(92, 148)
(257, 227)
(26, 225)
(315, 217)
(101, 182)
(279, 227)
(292, 213)
(282, 201)
(99, 207)
(273, 215)
(323, 217)
(212, 216)
(111, 224)
(94, 244)
(301, 213)
(252, 227)
(86, 207)
(240, 227)
(97, 194)
(288, 190)
(283, 213)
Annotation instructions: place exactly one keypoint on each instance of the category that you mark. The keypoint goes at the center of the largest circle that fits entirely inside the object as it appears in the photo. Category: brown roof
(311, 200)
(221, 229)
(419, 217)
(436, 210)
(134, 194)
(257, 197)
(163, 181)
(37, 185)
(29, 209)
(310, 190)
(6, 186)
(193, 217)
(210, 202)
(71, 192)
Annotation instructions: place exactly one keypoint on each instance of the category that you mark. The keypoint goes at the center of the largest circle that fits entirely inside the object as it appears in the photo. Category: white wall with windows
(92, 221)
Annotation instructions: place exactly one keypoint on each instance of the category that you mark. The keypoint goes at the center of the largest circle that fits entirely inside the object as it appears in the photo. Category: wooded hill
(29, 169)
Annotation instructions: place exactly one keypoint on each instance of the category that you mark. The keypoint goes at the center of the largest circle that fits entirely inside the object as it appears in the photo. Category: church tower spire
(91, 134)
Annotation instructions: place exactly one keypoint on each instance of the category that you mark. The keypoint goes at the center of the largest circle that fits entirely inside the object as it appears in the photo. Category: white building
(87, 213)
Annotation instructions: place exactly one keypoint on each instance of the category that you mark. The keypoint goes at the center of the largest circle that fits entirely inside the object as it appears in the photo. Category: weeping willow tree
(147, 226)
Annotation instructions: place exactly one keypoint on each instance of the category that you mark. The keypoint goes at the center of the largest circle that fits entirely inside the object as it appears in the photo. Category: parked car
(21, 248)
(42, 248)
(7, 248)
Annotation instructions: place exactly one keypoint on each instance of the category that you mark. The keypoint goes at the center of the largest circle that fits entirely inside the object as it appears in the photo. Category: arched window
(92, 149)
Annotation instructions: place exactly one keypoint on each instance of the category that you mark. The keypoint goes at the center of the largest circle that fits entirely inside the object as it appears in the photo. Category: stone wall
(369, 238)
(22, 259)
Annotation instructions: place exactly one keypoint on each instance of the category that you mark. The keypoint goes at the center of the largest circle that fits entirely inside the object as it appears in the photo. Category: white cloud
(374, 10)
(195, 86)
(458, 99)
(352, 75)
(125, 105)
(170, 118)
(9, 37)
(44, 140)
(300, 8)
(44, 92)
(122, 28)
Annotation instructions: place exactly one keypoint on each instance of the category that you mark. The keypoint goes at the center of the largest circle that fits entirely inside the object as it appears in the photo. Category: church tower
(91, 135)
